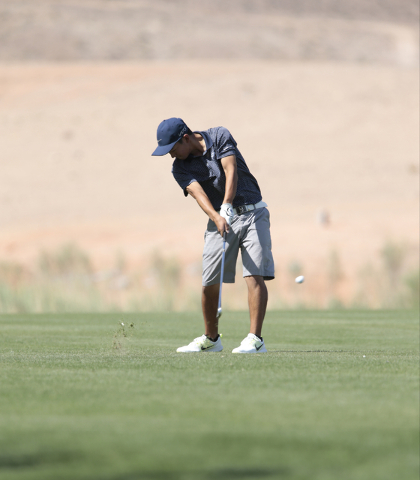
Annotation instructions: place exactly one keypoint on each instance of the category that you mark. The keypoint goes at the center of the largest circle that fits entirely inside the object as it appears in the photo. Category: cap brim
(163, 150)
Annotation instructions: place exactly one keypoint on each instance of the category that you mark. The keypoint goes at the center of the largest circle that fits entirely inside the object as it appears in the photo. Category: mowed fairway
(335, 398)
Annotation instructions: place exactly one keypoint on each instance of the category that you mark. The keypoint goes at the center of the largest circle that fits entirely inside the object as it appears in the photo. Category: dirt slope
(76, 161)
(67, 30)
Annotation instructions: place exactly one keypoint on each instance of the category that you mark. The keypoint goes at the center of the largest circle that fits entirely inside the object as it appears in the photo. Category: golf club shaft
(219, 307)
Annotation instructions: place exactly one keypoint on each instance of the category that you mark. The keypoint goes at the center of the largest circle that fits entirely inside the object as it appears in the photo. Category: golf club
(219, 307)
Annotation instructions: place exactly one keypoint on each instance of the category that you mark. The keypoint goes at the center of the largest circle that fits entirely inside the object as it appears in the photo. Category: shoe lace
(200, 340)
(249, 341)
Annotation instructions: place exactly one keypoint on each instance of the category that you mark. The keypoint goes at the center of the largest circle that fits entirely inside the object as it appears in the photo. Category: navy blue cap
(169, 132)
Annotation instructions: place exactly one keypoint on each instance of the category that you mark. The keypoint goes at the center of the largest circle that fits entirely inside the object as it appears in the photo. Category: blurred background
(321, 96)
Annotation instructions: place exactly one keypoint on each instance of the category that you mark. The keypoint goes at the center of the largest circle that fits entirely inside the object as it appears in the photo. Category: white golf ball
(299, 279)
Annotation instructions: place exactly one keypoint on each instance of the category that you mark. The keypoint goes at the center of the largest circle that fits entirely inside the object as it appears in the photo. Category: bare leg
(257, 300)
(209, 300)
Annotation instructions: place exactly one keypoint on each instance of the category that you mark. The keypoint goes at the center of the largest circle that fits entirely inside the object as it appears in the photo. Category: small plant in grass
(122, 333)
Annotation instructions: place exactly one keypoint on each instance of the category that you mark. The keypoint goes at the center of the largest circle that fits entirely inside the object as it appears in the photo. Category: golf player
(209, 167)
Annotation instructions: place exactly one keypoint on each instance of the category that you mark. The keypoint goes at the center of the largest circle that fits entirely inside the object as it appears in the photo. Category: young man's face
(182, 149)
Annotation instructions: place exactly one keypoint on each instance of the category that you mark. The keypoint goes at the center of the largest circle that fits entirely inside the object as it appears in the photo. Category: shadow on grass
(308, 351)
(238, 473)
(35, 459)
(25, 461)
(220, 474)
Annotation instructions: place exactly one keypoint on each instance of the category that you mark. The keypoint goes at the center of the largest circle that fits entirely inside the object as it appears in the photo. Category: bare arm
(231, 173)
(197, 192)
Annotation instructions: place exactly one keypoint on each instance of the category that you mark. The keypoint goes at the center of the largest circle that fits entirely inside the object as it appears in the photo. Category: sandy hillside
(368, 31)
(77, 166)
(327, 132)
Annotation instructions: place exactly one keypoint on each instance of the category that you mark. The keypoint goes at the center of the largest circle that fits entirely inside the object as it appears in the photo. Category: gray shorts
(249, 232)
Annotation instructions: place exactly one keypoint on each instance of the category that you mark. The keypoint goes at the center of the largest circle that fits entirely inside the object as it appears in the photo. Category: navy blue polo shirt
(207, 170)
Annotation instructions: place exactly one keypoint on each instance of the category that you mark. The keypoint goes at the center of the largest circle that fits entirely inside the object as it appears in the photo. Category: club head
(219, 312)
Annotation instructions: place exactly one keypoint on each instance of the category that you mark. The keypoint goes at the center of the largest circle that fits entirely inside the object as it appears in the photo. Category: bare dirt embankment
(77, 166)
(333, 139)
(379, 31)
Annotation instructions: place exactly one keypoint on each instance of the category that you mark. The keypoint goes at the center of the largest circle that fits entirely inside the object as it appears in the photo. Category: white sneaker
(202, 344)
(251, 344)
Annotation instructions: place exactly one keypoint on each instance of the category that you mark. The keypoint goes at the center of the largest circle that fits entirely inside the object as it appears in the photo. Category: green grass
(336, 398)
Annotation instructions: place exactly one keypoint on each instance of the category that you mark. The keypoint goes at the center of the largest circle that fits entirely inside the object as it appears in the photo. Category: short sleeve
(225, 143)
(182, 176)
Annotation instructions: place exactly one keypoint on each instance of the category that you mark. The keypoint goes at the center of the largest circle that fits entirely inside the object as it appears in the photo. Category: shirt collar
(207, 139)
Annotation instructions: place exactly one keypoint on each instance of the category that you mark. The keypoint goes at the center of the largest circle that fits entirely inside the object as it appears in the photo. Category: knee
(255, 280)
(256, 283)
(210, 290)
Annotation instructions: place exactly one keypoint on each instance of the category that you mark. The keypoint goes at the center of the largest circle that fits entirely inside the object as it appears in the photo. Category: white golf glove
(226, 211)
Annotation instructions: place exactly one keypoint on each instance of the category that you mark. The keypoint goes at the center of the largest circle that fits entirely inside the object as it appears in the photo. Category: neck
(198, 144)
